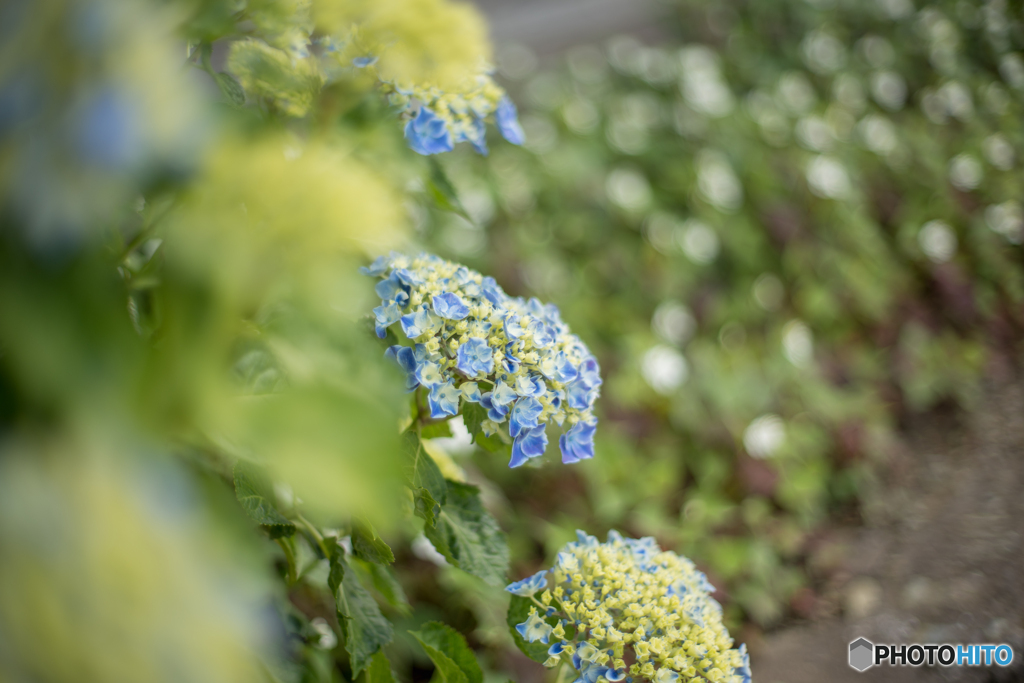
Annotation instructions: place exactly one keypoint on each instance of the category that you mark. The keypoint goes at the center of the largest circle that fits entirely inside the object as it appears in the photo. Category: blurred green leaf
(386, 583)
(421, 470)
(443, 192)
(379, 670)
(473, 414)
(436, 430)
(447, 648)
(364, 629)
(231, 88)
(426, 507)
(469, 537)
(367, 545)
(255, 493)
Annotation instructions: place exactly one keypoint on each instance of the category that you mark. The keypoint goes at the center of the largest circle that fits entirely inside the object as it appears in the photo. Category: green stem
(314, 532)
(289, 555)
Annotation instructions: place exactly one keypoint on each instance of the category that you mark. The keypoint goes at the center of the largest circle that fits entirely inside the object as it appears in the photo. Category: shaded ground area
(940, 560)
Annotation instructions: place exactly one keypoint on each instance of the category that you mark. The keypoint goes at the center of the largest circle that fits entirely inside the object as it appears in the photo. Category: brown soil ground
(940, 558)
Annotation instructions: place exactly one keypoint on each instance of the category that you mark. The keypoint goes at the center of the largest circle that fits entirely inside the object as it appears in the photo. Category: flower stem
(308, 526)
(289, 556)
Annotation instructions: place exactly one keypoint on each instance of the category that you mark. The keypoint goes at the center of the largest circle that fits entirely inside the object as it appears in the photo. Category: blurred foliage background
(782, 230)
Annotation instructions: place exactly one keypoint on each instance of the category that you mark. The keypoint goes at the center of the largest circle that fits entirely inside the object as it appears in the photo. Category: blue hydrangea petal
(403, 355)
(530, 585)
(427, 134)
(429, 374)
(590, 373)
(408, 278)
(530, 443)
(390, 288)
(579, 395)
(508, 122)
(534, 629)
(503, 394)
(377, 268)
(495, 412)
(525, 413)
(493, 292)
(577, 443)
(513, 327)
(450, 307)
(743, 670)
(443, 400)
(475, 358)
(420, 323)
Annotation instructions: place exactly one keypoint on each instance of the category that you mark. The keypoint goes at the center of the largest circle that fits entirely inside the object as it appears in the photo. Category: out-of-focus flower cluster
(627, 610)
(430, 55)
(438, 119)
(94, 106)
(467, 332)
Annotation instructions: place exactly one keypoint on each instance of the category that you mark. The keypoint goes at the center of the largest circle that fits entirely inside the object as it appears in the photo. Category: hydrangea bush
(178, 262)
(474, 344)
(627, 610)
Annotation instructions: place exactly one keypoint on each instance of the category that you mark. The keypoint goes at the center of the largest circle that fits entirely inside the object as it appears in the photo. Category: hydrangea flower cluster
(438, 119)
(628, 611)
(473, 343)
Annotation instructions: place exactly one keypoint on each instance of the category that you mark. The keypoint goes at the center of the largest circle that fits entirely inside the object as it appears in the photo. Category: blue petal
(503, 395)
(427, 134)
(579, 395)
(577, 443)
(524, 415)
(530, 443)
(475, 357)
(377, 268)
(450, 306)
(530, 585)
(443, 400)
(508, 121)
(389, 288)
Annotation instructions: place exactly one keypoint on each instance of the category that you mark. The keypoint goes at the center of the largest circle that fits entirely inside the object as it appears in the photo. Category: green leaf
(426, 507)
(379, 670)
(386, 583)
(474, 414)
(367, 545)
(422, 471)
(253, 491)
(493, 444)
(443, 192)
(436, 430)
(518, 611)
(446, 647)
(363, 628)
(469, 537)
(231, 88)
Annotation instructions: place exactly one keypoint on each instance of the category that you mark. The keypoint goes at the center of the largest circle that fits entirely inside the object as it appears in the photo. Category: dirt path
(941, 560)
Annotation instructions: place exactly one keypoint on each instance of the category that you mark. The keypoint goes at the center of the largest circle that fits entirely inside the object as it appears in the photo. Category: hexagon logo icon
(862, 654)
